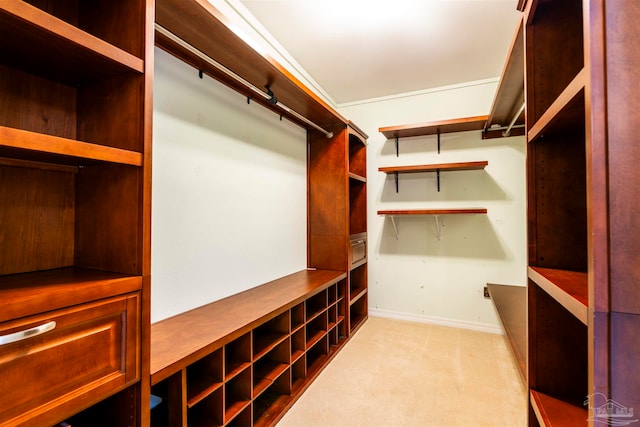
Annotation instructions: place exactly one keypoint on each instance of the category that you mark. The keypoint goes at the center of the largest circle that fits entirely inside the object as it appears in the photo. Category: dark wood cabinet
(75, 120)
(583, 317)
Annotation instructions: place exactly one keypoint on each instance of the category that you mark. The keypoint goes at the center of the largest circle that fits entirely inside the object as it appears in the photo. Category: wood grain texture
(217, 323)
(31, 293)
(73, 55)
(555, 412)
(97, 344)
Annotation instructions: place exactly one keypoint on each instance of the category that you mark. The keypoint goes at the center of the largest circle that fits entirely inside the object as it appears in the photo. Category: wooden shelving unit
(245, 359)
(583, 314)
(337, 200)
(75, 173)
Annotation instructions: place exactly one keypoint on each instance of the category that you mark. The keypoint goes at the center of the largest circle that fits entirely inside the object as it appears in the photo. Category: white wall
(229, 192)
(417, 276)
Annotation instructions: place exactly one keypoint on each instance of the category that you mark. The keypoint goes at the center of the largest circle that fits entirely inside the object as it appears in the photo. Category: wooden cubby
(75, 111)
(254, 358)
(583, 315)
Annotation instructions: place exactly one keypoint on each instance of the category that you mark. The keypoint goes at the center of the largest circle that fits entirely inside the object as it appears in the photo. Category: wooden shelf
(238, 54)
(511, 304)
(266, 376)
(57, 150)
(72, 55)
(461, 166)
(266, 342)
(434, 128)
(357, 177)
(568, 288)
(566, 113)
(554, 412)
(509, 96)
(462, 211)
(53, 289)
(197, 398)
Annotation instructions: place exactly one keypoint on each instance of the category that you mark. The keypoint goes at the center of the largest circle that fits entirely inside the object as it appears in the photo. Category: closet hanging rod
(267, 96)
(513, 121)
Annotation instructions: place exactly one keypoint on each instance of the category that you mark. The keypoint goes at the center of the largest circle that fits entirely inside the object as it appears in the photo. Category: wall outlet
(486, 293)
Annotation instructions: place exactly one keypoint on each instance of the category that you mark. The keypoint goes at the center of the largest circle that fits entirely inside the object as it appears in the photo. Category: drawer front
(358, 250)
(92, 351)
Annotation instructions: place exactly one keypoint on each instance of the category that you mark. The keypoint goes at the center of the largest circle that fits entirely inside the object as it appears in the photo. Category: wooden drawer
(91, 352)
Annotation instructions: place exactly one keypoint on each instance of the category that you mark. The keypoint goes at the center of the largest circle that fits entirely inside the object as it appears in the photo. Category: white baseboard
(454, 323)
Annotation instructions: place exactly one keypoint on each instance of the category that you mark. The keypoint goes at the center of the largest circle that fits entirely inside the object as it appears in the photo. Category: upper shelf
(509, 98)
(72, 55)
(434, 128)
(211, 33)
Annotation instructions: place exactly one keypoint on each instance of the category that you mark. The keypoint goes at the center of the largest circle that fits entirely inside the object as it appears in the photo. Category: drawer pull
(27, 333)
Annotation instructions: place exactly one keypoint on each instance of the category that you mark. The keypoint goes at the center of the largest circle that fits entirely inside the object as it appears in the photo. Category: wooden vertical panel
(328, 214)
(560, 203)
(625, 354)
(39, 105)
(36, 219)
(119, 22)
(110, 112)
(108, 218)
(66, 10)
(623, 127)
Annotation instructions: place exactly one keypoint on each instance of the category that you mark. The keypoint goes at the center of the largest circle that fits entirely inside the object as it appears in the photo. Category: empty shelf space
(53, 289)
(555, 412)
(65, 151)
(73, 55)
(433, 128)
(568, 288)
(566, 113)
(511, 304)
(265, 342)
(265, 374)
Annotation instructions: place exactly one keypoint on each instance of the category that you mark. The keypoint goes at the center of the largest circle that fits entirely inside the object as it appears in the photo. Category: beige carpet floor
(394, 373)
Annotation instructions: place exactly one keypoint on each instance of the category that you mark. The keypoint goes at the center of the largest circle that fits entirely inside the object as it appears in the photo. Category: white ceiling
(362, 49)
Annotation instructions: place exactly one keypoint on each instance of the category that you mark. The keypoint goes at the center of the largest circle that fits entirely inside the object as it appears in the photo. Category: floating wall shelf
(433, 128)
(435, 212)
(461, 166)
